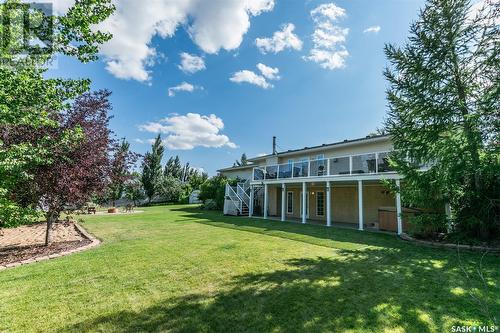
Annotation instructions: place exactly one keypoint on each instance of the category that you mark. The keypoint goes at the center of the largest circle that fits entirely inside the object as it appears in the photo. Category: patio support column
(447, 211)
(328, 205)
(283, 201)
(304, 204)
(398, 208)
(250, 206)
(360, 204)
(265, 201)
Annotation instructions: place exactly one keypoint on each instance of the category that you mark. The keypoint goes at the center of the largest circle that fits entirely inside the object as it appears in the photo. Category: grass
(176, 268)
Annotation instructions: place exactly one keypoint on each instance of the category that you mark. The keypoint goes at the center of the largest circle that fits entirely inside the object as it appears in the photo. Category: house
(338, 183)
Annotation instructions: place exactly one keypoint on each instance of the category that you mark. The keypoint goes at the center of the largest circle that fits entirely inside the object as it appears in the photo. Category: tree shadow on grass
(362, 291)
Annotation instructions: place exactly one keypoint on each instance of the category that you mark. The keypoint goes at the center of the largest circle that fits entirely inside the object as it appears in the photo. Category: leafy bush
(214, 189)
(12, 215)
(427, 225)
(171, 189)
(210, 205)
(134, 190)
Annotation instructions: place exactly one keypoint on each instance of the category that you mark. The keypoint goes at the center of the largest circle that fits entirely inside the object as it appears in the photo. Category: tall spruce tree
(152, 169)
(443, 100)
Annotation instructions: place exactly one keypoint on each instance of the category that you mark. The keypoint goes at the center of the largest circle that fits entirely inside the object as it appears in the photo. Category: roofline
(373, 138)
(241, 167)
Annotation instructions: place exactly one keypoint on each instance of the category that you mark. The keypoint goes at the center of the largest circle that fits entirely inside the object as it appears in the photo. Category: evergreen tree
(443, 100)
(152, 170)
(243, 159)
(169, 167)
(177, 168)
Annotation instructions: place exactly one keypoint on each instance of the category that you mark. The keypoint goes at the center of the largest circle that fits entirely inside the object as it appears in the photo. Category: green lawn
(176, 268)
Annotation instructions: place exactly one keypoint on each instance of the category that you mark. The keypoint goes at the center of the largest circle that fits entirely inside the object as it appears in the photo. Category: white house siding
(241, 173)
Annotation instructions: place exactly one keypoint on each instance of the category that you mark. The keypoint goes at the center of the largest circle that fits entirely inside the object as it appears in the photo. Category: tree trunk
(48, 232)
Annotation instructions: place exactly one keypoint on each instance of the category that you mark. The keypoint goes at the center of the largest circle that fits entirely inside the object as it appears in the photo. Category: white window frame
(287, 206)
(317, 199)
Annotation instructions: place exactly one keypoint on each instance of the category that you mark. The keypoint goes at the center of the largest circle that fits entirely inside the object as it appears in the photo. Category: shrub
(210, 205)
(427, 225)
(214, 189)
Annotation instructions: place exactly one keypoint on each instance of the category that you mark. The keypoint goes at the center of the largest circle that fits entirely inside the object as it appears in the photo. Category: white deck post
(250, 205)
(304, 198)
(328, 205)
(360, 204)
(265, 201)
(447, 211)
(283, 201)
(398, 208)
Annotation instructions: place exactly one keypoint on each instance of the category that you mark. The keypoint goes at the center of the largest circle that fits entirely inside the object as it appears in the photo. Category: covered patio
(343, 203)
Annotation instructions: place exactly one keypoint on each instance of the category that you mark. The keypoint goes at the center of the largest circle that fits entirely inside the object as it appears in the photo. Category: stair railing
(242, 193)
(234, 197)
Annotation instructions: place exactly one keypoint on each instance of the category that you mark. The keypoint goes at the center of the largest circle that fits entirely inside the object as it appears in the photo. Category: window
(320, 204)
(320, 157)
(289, 202)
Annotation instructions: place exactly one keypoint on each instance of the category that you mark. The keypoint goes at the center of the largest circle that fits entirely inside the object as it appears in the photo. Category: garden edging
(408, 238)
(94, 242)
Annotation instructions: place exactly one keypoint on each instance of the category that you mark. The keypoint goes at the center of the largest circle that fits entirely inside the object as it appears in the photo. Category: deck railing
(372, 163)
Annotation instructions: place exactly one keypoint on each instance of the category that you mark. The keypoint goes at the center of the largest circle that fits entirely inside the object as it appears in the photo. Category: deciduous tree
(80, 146)
(122, 161)
(27, 97)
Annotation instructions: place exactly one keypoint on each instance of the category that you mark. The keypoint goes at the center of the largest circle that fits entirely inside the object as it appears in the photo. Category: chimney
(274, 146)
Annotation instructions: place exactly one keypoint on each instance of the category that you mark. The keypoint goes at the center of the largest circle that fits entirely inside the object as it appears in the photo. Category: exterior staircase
(237, 199)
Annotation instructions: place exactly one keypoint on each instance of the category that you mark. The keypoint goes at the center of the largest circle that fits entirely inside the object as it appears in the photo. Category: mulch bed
(27, 242)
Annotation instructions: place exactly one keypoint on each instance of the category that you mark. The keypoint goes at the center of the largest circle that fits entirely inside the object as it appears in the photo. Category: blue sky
(311, 103)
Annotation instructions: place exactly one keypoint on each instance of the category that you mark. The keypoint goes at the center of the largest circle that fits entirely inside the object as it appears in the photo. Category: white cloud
(328, 38)
(327, 35)
(373, 29)
(185, 132)
(250, 77)
(328, 11)
(141, 141)
(328, 59)
(256, 79)
(269, 72)
(184, 86)
(212, 25)
(191, 63)
(285, 38)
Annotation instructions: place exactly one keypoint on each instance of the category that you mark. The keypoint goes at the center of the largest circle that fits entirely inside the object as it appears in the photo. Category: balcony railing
(372, 163)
